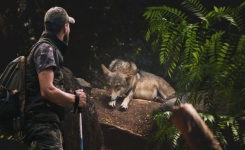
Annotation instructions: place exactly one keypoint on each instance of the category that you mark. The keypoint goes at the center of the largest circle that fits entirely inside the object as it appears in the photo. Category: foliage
(14, 28)
(205, 52)
(105, 30)
(166, 136)
(19, 136)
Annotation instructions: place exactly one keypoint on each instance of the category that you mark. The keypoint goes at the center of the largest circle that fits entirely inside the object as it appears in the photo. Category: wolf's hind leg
(158, 99)
(112, 103)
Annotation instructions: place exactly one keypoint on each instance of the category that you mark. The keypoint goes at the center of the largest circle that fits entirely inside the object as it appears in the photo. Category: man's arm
(55, 95)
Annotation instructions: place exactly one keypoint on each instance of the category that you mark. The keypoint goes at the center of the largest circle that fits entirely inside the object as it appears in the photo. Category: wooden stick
(193, 128)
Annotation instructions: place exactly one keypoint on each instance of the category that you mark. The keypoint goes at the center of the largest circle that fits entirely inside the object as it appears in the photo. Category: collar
(62, 46)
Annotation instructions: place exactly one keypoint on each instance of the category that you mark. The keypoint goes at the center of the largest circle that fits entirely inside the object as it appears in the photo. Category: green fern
(196, 8)
(165, 136)
(206, 61)
(238, 14)
(164, 12)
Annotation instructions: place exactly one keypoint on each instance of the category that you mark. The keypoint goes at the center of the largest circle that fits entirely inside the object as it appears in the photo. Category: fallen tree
(193, 128)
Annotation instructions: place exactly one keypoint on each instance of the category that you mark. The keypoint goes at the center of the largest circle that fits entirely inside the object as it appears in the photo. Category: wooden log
(194, 130)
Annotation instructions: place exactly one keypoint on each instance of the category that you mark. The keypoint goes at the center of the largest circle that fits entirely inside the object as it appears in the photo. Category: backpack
(12, 88)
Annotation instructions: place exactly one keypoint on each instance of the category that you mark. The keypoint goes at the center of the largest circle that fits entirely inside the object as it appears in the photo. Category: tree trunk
(193, 128)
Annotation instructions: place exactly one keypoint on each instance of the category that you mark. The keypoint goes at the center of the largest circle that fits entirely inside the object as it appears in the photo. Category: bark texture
(195, 131)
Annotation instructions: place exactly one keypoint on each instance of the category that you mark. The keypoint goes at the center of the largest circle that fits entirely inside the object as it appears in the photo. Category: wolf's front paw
(112, 104)
(124, 106)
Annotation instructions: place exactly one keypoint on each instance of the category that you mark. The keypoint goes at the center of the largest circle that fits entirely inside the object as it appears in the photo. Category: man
(45, 95)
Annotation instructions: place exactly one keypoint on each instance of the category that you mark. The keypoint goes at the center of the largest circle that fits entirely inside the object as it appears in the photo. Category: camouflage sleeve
(44, 57)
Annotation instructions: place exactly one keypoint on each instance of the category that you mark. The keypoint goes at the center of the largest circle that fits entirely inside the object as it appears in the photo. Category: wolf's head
(118, 83)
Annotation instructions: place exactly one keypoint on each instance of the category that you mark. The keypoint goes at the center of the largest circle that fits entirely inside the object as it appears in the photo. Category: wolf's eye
(118, 86)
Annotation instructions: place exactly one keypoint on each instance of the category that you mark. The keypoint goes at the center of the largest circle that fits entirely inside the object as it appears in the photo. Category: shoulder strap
(23, 100)
(43, 40)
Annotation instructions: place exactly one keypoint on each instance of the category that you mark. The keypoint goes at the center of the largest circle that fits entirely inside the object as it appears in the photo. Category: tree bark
(193, 128)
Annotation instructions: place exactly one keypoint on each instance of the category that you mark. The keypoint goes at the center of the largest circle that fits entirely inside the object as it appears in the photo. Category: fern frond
(238, 15)
(207, 118)
(221, 138)
(190, 44)
(157, 29)
(207, 63)
(196, 8)
(213, 44)
(175, 139)
(165, 130)
(221, 13)
(164, 12)
(226, 13)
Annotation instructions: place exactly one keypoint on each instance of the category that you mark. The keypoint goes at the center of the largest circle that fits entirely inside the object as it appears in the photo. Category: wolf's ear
(105, 70)
(131, 74)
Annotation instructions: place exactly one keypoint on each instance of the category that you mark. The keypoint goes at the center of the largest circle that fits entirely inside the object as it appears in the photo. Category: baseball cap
(57, 16)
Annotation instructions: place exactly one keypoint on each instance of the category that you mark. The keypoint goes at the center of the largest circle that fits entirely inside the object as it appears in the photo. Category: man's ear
(105, 70)
(66, 27)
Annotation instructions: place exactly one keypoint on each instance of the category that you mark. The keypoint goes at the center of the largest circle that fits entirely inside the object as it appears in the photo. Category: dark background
(104, 30)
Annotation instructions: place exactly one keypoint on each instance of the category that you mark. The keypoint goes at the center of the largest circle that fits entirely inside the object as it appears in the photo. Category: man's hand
(82, 98)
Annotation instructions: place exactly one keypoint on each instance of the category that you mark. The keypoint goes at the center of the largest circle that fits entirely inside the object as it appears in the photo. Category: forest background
(199, 49)
(104, 30)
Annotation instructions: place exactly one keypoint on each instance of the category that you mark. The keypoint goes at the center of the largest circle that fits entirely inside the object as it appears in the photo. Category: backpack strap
(23, 68)
(43, 40)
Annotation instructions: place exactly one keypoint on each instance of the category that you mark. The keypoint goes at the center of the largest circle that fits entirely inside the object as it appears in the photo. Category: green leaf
(195, 54)
(221, 54)
(216, 9)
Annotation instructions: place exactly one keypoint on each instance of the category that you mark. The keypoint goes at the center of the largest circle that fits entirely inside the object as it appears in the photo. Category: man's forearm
(57, 96)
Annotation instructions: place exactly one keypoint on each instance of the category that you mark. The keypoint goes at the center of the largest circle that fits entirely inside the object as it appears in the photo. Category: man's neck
(60, 36)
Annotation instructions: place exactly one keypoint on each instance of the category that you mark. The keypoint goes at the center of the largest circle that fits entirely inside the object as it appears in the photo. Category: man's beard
(66, 39)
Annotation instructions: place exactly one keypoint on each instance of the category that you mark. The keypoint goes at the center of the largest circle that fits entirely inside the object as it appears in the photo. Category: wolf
(124, 79)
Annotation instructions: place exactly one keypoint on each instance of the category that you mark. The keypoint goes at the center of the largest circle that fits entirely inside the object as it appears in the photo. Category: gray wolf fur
(124, 79)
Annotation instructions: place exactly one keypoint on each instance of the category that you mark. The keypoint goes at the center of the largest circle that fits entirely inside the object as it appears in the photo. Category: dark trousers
(40, 135)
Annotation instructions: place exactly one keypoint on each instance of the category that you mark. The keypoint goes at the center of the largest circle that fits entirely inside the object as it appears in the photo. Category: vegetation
(204, 51)
(201, 49)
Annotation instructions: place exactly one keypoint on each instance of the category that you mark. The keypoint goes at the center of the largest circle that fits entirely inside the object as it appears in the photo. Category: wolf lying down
(125, 80)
